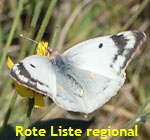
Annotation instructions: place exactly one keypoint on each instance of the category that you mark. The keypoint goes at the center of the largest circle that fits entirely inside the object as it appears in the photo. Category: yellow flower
(42, 48)
(24, 91)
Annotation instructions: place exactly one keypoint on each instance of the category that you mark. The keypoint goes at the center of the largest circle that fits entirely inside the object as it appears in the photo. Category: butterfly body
(84, 77)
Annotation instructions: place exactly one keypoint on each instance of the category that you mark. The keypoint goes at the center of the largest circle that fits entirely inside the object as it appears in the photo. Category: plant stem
(44, 23)
(11, 34)
(36, 14)
(8, 114)
(132, 19)
(27, 119)
(133, 121)
(47, 111)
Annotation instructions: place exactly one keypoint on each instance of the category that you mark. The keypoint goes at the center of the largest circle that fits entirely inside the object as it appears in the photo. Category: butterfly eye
(32, 65)
(100, 45)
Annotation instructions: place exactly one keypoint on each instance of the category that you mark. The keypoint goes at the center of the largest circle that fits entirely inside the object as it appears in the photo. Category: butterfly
(85, 76)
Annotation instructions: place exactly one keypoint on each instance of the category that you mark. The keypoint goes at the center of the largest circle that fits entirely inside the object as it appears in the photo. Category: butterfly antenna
(23, 36)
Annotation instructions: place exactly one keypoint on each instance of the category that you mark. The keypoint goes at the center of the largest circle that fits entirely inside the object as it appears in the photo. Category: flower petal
(38, 101)
(42, 48)
(24, 91)
(10, 63)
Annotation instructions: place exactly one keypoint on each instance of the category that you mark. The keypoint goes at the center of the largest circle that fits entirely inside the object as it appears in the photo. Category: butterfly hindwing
(84, 91)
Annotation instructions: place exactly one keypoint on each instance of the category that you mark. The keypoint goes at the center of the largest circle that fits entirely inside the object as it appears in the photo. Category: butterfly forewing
(108, 55)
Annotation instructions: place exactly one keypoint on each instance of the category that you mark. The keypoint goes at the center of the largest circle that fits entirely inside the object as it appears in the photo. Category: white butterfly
(84, 77)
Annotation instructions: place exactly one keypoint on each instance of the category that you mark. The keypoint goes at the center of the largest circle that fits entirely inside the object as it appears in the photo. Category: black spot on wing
(100, 45)
(32, 66)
